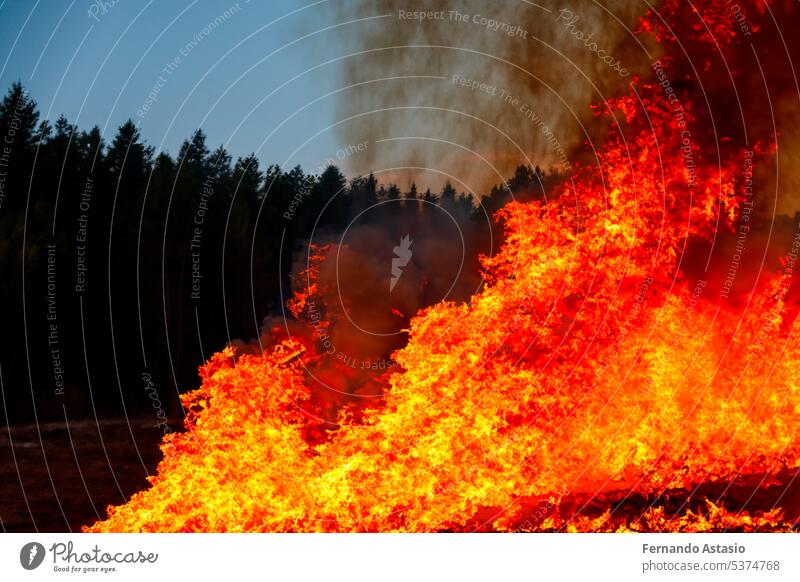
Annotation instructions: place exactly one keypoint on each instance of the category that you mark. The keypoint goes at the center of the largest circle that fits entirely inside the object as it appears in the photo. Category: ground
(87, 473)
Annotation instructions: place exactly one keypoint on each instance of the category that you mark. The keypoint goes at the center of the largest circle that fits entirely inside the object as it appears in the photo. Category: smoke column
(482, 87)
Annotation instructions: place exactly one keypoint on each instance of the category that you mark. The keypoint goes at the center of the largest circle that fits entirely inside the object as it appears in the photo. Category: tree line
(117, 260)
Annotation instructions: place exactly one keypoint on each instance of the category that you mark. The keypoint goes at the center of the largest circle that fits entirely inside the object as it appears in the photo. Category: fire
(592, 385)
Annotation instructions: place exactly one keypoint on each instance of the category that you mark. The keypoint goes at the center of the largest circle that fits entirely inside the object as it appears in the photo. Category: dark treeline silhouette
(123, 270)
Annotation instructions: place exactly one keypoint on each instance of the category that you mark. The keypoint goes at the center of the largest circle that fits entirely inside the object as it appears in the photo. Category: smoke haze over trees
(125, 268)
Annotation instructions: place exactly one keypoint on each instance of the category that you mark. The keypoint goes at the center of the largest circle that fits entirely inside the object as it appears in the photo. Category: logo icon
(31, 555)
(402, 257)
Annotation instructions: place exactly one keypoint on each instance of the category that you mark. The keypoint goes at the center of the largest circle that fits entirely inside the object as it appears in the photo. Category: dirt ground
(56, 478)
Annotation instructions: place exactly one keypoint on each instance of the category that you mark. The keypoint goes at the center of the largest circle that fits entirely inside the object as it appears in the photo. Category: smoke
(747, 115)
(351, 311)
(554, 357)
(474, 89)
(781, 182)
(357, 290)
(750, 97)
(470, 91)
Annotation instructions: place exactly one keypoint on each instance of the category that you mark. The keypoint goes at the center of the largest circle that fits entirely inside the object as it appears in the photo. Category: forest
(125, 268)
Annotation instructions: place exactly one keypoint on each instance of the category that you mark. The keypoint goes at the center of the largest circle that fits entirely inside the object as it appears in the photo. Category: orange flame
(591, 386)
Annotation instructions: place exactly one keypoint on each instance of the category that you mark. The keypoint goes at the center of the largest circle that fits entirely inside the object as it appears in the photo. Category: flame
(590, 386)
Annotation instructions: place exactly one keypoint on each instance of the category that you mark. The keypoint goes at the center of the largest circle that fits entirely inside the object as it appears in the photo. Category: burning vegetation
(631, 363)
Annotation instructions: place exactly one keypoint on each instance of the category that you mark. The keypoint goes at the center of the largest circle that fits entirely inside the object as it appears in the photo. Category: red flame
(593, 385)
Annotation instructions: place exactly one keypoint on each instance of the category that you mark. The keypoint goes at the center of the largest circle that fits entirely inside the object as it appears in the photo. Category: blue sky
(212, 63)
